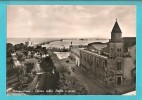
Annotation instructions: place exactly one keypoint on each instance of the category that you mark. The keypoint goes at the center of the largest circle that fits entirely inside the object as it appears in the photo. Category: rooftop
(116, 28)
(97, 45)
(128, 42)
(92, 53)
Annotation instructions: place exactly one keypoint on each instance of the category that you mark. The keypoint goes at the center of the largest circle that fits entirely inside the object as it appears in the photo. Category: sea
(65, 42)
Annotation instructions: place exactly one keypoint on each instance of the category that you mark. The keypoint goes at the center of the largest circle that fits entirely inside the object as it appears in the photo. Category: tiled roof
(129, 42)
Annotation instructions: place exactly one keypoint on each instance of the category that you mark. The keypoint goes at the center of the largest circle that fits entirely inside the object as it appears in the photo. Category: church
(29, 43)
(112, 63)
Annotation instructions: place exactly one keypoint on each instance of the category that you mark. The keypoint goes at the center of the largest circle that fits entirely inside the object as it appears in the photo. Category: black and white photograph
(71, 50)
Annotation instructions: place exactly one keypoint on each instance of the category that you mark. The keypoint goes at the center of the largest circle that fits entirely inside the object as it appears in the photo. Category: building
(130, 66)
(112, 63)
(75, 53)
(29, 43)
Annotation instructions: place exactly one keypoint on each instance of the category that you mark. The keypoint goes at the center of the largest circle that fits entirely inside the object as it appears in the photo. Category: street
(92, 87)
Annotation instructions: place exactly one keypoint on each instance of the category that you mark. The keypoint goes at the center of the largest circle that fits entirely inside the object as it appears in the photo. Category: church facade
(112, 63)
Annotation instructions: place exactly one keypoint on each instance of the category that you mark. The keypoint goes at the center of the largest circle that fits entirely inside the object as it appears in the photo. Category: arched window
(111, 52)
(119, 66)
(118, 50)
(103, 64)
(97, 62)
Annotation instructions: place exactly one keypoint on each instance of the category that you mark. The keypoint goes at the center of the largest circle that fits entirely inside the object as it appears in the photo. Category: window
(97, 62)
(120, 52)
(111, 52)
(103, 63)
(117, 52)
(118, 65)
(89, 57)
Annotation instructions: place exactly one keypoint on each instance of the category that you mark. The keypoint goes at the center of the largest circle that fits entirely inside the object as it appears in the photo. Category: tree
(19, 47)
(10, 62)
(18, 71)
(47, 64)
(30, 48)
(29, 67)
(20, 56)
(10, 47)
(50, 79)
(9, 67)
(44, 50)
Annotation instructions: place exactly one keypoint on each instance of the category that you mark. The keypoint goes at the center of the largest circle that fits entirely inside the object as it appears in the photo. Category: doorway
(119, 80)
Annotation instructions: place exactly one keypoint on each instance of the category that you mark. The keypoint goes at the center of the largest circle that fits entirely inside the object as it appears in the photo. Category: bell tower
(116, 52)
(116, 33)
(116, 42)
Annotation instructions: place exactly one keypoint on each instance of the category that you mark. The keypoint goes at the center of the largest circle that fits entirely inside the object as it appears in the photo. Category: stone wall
(94, 64)
(129, 65)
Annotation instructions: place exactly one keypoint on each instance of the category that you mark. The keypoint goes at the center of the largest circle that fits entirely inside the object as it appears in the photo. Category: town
(93, 69)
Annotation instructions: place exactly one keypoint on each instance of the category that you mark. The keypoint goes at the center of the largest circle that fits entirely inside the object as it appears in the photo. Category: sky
(67, 21)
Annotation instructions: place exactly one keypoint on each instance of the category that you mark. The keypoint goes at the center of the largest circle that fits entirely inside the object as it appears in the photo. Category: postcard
(71, 49)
